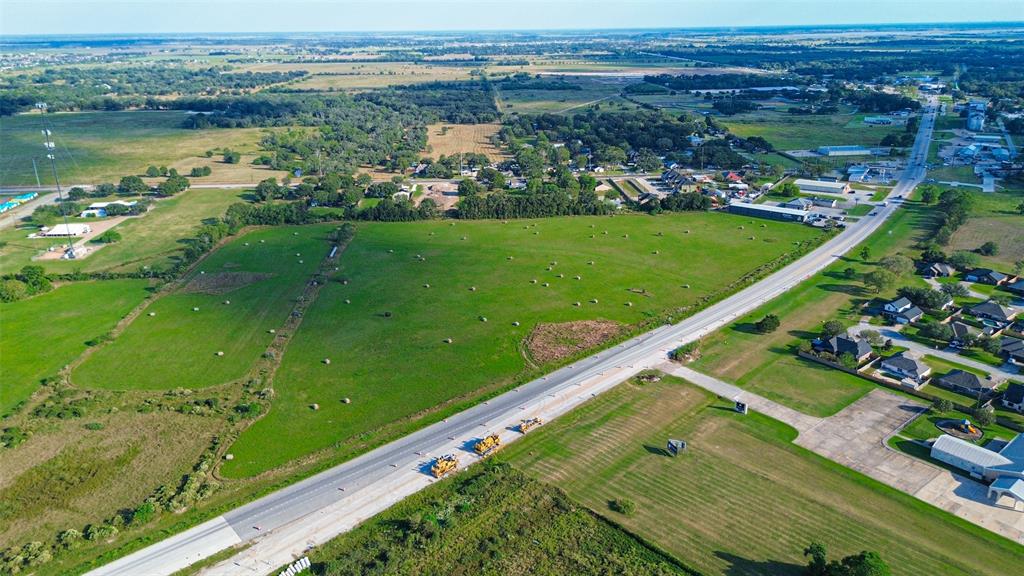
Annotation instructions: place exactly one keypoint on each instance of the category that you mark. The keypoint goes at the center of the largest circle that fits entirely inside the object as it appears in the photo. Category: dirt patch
(222, 282)
(550, 342)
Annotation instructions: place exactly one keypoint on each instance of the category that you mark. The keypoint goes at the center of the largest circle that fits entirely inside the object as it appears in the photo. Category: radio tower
(48, 144)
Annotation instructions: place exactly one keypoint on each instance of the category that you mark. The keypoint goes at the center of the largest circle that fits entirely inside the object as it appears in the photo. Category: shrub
(769, 323)
(94, 426)
(942, 406)
(832, 328)
(623, 506)
(983, 416)
(108, 237)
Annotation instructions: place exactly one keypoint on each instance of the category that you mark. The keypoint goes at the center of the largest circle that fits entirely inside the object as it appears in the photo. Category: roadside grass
(95, 147)
(767, 363)
(722, 503)
(177, 347)
(787, 131)
(150, 240)
(42, 334)
(491, 520)
(398, 368)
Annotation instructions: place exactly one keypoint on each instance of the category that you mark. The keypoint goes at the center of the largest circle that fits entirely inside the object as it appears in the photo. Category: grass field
(792, 132)
(95, 147)
(396, 367)
(177, 347)
(766, 363)
(741, 500)
(365, 75)
(594, 90)
(449, 139)
(994, 217)
(492, 521)
(42, 334)
(153, 239)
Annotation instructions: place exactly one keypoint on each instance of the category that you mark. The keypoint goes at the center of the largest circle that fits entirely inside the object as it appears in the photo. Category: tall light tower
(48, 144)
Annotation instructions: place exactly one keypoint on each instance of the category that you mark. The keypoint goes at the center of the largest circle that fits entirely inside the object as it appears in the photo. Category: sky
(170, 16)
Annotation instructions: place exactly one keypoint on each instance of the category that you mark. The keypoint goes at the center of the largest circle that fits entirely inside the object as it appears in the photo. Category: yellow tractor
(487, 445)
(443, 465)
(525, 425)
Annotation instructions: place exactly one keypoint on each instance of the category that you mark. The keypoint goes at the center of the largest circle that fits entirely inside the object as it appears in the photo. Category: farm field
(493, 520)
(367, 75)
(42, 334)
(96, 147)
(994, 217)
(767, 364)
(793, 132)
(261, 273)
(150, 240)
(449, 139)
(398, 367)
(594, 90)
(742, 499)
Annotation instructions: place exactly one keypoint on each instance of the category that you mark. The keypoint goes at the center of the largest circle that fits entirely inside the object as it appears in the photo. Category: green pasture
(796, 132)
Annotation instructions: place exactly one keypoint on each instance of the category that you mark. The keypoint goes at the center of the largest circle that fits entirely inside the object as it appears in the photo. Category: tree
(267, 189)
(928, 195)
(874, 337)
(132, 186)
(942, 406)
(769, 323)
(989, 344)
(231, 157)
(983, 415)
(988, 249)
(848, 361)
(880, 280)
(933, 254)
(937, 331)
(648, 161)
(849, 273)
(962, 260)
(12, 290)
(818, 563)
(832, 328)
(861, 564)
(34, 278)
(1018, 267)
(468, 187)
(897, 264)
(1020, 208)
(865, 253)
(152, 171)
(77, 193)
(955, 290)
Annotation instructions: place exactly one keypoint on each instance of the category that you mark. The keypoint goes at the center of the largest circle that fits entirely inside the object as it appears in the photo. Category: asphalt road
(316, 493)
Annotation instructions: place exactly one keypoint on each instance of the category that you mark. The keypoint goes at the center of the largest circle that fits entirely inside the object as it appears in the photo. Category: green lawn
(397, 367)
(177, 347)
(766, 363)
(94, 147)
(150, 240)
(741, 500)
(794, 132)
(40, 335)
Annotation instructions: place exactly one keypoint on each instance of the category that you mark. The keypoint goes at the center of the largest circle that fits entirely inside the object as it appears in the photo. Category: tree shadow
(844, 288)
(803, 334)
(739, 566)
(745, 327)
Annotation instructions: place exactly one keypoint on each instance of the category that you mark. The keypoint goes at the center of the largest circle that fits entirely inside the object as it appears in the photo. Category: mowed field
(393, 368)
(793, 132)
(96, 147)
(452, 139)
(366, 75)
(40, 335)
(149, 240)
(177, 347)
(994, 218)
(741, 500)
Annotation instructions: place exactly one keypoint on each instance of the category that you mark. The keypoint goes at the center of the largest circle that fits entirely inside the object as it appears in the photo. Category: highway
(280, 525)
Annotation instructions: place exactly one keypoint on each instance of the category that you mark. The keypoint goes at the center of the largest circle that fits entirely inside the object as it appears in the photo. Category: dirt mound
(222, 282)
(549, 342)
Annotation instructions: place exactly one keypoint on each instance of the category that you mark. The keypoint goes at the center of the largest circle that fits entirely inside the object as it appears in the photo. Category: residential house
(986, 276)
(989, 310)
(844, 344)
(1013, 397)
(965, 383)
(1017, 287)
(1012, 349)
(961, 332)
(902, 311)
(909, 369)
(938, 270)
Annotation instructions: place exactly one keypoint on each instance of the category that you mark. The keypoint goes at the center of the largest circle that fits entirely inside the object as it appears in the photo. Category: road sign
(741, 407)
(676, 446)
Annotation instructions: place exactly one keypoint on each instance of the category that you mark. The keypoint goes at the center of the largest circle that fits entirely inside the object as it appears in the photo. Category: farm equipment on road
(443, 465)
(525, 425)
(487, 445)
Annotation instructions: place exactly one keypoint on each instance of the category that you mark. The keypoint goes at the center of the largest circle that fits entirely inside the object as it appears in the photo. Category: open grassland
(767, 363)
(41, 335)
(741, 500)
(67, 476)
(793, 132)
(367, 75)
(149, 240)
(452, 139)
(177, 346)
(994, 218)
(387, 346)
(493, 520)
(95, 147)
(593, 91)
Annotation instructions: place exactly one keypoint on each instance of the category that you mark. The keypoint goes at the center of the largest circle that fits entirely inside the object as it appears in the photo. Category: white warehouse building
(1003, 469)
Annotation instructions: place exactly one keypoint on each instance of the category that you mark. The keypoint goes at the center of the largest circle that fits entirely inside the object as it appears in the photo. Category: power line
(49, 145)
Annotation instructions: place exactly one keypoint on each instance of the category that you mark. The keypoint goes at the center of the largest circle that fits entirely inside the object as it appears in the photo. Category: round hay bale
(657, 252)
(533, 281)
(554, 263)
(263, 241)
(295, 233)
(451, 223)
(515, 323)
(272, 331)
(576, 304)
(629, 303)
(327, 361)
(246, 243)
(347, 301)
(561, 275)
(661, 233)
(590, 262)
(447, 340)
(463, 237)
(764, 225)
(314, 406)
(686, 285)
(229, 456)
(202, 271)
(390, 251)
(227, 302)
(545, 284)
(578, 277)
(152, 313)
(751, 237)
(625, 235)
(686, 231)
(605, 232)
(195, 308)
(220, 352)
(509, 258)
(298, 254)
(593, 300)
(741, 227)
(549, 268)
(483, 318)
(346, 400)
(591, 225)
(536, 233)
(592, 236)
(345, 281)
(472, 288)
(426, 285)
(302, 261)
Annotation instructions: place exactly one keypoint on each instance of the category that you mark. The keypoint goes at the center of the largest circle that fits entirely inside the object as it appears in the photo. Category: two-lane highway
(283, 522)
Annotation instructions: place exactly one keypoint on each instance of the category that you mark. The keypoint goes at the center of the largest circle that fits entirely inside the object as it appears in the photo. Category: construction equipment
(443, 465)
(525, 425)
(487, 445)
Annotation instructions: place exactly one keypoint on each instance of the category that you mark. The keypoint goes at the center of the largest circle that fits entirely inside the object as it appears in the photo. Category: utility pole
(48, 144)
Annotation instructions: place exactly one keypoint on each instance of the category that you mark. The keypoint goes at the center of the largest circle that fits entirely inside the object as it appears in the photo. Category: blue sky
(145, 16)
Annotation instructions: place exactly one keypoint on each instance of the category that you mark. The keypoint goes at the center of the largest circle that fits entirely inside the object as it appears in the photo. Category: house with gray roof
(990, 310)
(938, 270)
(844, 344)
(1017, 287)
(965, 383)
(1013, 397)
(1012, 349)
(986, 276)
(909, 369)
(902, 311)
